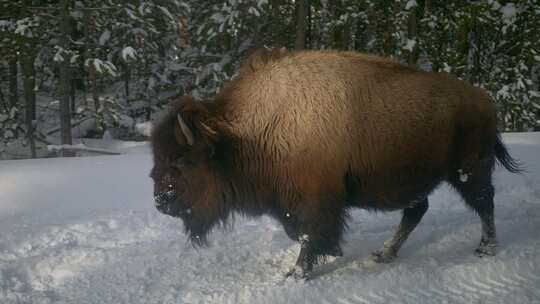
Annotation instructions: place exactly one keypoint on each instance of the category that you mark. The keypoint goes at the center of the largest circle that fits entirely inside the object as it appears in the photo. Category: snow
(463, 177)
(58, 57)
(410, 4)
(105, 36)
(409, 46)
(85, 230)
(509, 11)
(166, 12)
(218, 17)
(144, 128)
(129, 53)
(254, 11)
(5, 23)
(24, 27)
(503, 92)
(103, 66)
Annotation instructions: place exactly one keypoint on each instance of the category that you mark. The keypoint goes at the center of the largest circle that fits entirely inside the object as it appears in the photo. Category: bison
(305, 136)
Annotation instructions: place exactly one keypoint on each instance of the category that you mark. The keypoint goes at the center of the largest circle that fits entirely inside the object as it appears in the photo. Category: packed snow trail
(84, 230)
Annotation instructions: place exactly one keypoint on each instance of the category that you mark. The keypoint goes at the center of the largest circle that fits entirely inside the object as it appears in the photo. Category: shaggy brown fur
(304, 136)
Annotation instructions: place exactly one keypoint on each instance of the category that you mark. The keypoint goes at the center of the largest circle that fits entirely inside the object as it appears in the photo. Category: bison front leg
(292, 230)
(318, 236)
(411, 217)
(306, 259)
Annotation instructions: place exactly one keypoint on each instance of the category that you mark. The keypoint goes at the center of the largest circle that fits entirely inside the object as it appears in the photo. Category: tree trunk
(389, 41)
(427, 7)
(474, 40)
(183, 32)
(72, 96)
(309, 35)
(92, 75)
(275, 27)
(338, 31)
(29, 82)
(301, 24)
(65, 87)
(274, 5)
(85, 55)
(412, 33)
(13, 77)
(89, 29)
(127, 73)
(3, 101)
(370, 32)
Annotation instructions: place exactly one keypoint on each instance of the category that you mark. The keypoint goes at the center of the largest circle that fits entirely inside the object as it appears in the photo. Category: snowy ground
(84, 230)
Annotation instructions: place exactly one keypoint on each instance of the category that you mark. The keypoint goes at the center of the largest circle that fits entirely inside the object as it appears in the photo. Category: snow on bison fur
(305, 136)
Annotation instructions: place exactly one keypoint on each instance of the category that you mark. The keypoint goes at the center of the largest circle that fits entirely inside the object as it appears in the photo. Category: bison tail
(504, 158)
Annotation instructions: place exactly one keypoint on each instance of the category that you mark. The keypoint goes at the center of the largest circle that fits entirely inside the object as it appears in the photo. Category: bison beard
(305, 136)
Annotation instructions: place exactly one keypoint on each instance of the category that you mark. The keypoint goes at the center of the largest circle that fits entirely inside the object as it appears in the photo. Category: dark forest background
(72, 69)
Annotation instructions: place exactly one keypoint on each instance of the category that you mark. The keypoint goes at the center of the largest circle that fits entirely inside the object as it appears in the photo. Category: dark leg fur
(293, 233)
(318, 236)
(306, 259)
(478, 191)
(411, 217)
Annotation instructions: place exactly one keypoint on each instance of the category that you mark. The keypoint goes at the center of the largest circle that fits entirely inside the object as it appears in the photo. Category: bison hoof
(335, 252)
(297, 273)
(383, 256)
(486, 249)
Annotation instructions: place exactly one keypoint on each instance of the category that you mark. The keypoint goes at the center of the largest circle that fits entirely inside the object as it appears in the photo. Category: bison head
(185, 172)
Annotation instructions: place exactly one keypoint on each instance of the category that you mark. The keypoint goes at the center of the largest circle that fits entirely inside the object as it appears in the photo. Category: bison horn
(185, 130)
(208, 129)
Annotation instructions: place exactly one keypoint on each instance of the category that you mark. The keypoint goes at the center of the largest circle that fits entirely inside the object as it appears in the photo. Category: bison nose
(168, 204)
(164, 198)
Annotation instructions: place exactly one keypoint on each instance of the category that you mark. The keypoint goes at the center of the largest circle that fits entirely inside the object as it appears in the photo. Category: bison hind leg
(411, 217)
(477, 191)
